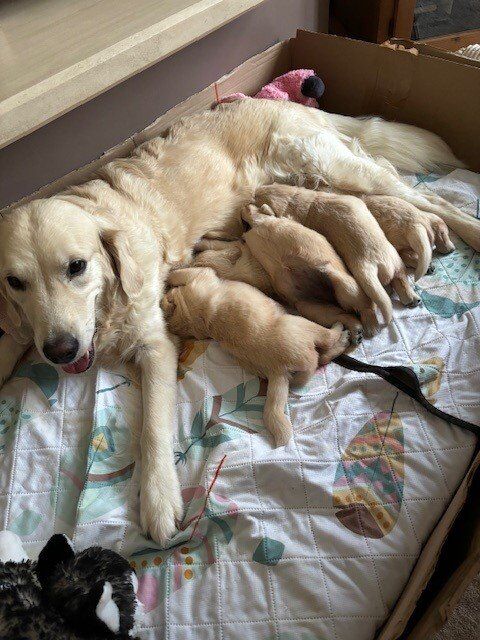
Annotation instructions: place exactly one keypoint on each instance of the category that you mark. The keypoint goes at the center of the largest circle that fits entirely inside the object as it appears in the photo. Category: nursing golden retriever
(257, 331)
(84, 270)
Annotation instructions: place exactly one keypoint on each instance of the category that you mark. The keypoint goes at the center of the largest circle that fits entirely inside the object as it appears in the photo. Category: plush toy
(64, 595)
(300, 85)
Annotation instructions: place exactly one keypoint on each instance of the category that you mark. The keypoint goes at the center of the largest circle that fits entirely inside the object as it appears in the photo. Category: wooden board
(57, 54)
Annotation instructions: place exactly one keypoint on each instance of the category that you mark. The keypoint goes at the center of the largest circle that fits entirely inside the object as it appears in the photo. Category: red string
(215, 478)
(217, 97)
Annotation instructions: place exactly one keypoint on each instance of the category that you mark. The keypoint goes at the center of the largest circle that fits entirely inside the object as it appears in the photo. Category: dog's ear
(10, 318)
(117, 245)
(13, 321)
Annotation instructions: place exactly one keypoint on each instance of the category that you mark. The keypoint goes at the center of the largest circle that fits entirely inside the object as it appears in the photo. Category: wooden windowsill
(58, 54)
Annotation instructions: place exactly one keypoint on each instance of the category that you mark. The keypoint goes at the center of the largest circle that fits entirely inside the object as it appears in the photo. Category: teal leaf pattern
(10, 417)
(445, 307)
(226, 417)
(110, 466)
(269, 552)
(43, 375)
(25, 523)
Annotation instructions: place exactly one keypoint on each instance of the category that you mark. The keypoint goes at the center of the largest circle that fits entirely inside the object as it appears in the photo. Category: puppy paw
(417, 301)
(356, 336)
(283, 438)
(346, 338)
(160, 508)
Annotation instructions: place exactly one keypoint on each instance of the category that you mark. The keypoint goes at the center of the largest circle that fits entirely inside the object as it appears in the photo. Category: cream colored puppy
(412, 232)
(299, 266)
(233, 260)
(355, 234)
(307, 273)
(265, 339)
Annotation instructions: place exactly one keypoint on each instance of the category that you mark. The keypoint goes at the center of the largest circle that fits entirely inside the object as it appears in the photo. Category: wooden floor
(56, 54)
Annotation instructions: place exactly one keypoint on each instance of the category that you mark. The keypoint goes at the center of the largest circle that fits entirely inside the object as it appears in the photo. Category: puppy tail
(274, 417)
(420, 243)
(370, 283)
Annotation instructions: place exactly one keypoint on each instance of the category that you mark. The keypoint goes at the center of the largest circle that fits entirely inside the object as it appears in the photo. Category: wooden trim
(454, 41)
(403, 18)
(57, 83)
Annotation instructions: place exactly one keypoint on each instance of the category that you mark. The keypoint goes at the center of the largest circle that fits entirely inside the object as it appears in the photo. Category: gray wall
(86, 132)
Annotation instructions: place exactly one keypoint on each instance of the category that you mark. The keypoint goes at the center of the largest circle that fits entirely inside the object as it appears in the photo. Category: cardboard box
(419, 85)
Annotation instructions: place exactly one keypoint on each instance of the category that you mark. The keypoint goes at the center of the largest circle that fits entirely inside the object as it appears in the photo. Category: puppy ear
(168, 305)
(117, 245)
(57, 550)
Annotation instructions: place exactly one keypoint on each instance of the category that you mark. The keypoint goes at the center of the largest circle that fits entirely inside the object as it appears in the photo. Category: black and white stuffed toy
(65, 595)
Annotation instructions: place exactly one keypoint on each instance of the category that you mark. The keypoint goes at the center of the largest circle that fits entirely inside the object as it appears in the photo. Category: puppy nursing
(355, 234)
(265, 339)
(306, 272)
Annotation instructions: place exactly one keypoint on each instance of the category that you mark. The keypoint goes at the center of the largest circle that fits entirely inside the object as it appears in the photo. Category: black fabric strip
(404, 378)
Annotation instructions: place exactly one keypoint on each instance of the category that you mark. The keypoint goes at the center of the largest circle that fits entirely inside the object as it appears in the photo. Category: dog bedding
(311, 541)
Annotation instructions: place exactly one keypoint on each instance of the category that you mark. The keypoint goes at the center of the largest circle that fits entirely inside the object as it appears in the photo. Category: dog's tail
(367, 278)
(274, 417)
(407, 147)
(420, 243)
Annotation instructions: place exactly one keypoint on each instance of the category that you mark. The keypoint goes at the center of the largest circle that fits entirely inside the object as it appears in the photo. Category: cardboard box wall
(431, 89)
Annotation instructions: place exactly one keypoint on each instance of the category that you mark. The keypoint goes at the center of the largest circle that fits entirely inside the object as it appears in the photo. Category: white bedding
(311, 541)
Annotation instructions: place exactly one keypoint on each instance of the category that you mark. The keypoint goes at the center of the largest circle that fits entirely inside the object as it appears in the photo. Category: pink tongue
(79, 366)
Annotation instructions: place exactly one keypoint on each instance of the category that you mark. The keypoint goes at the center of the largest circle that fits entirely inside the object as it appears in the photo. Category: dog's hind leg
(404, 291)
(327, 315)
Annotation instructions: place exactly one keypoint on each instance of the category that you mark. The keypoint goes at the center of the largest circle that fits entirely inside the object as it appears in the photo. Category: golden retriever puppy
(412, 232)
(265, 339)
(306, 272)
(297, 275)
(354, 233)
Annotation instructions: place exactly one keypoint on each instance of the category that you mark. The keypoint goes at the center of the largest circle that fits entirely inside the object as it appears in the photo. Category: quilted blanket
(314, 540)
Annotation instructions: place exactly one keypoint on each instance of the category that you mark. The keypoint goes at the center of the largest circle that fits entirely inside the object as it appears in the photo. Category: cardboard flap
(428, 50)
(361, 78)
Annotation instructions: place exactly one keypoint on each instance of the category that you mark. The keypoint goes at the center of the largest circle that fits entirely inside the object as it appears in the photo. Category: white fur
(11, 547)
(107, 610)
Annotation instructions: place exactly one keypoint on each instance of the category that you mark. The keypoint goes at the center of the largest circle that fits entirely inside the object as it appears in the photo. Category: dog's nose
(62, 349)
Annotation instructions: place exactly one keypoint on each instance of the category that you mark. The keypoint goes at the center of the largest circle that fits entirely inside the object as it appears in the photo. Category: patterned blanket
(312, 541)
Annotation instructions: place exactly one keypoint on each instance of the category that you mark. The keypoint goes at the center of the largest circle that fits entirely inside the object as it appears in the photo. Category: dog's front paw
(160, 508)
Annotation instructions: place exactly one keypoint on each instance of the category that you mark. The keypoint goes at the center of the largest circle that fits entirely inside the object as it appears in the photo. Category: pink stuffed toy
(300, 85)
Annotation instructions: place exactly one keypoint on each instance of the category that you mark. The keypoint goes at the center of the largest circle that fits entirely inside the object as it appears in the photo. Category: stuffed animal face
(67, 596)
(94, 591)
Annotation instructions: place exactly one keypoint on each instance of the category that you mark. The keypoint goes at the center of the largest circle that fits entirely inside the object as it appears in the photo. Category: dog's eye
(15, 283)
(76, 267)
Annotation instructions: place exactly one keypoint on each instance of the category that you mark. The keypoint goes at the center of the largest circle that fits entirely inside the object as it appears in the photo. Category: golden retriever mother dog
(84, 270)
